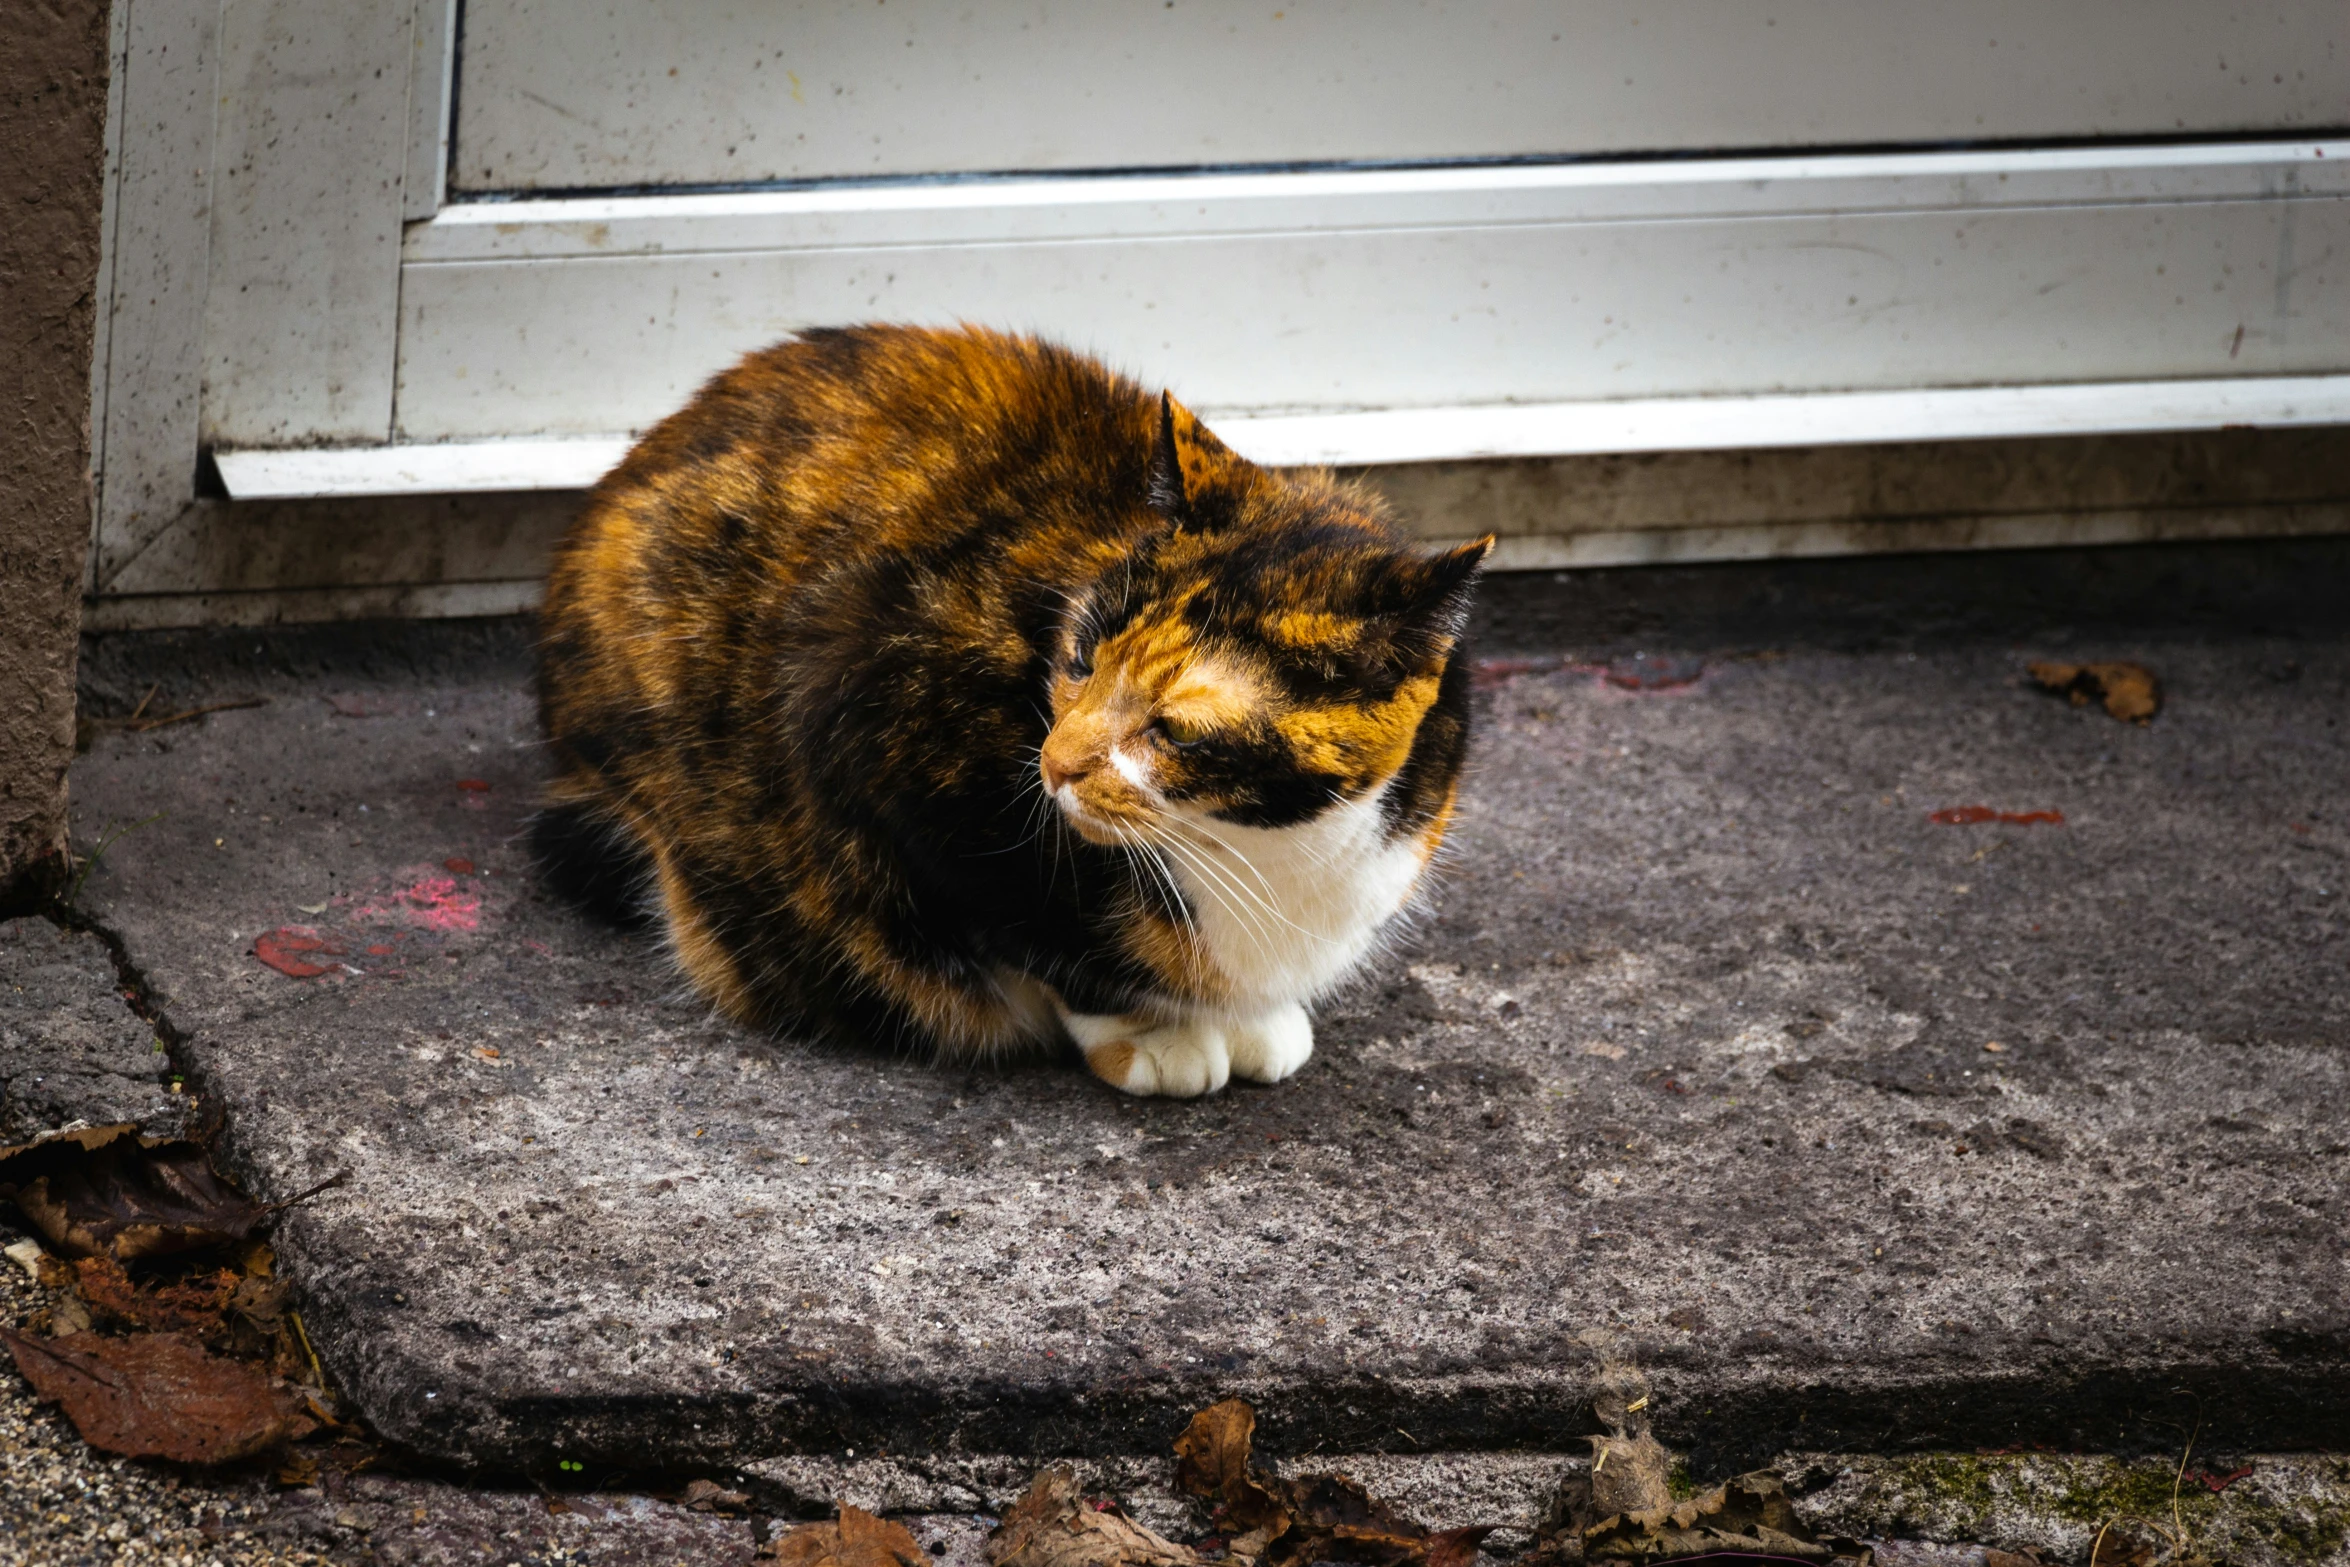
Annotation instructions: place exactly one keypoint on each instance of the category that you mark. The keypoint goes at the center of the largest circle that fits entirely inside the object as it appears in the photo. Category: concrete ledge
(1693, 1055)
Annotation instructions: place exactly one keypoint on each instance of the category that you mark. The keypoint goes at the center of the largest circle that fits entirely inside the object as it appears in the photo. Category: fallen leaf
(160, 1395)
(1336, 1520)
(2129, 691)
(1054, 1526)
(126, 1200)
(2122, 1547)
(855, 1539)
(1212, 1460)
(2028, 1557)
(1751, 1515)
(1314, 1518)
(56, 1147)
(1629, 1474)
(195, 1305)
(708, 1496)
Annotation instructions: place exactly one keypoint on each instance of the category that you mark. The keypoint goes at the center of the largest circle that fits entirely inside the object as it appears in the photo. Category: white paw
(1270, 1046)
(1181, 1060)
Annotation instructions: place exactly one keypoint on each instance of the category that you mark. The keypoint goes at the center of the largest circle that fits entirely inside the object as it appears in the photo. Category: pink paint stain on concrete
(434, 902)
(439, 905)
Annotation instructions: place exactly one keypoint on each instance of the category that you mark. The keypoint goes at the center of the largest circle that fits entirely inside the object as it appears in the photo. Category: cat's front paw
(1270, 1046)
(1180, 1060)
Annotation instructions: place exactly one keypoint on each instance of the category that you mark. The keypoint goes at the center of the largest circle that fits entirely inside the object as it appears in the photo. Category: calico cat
(943, 689)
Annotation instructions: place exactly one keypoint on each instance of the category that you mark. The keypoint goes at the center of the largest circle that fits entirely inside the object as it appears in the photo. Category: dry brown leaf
(1055, 1526)
(1751, 1515)
(16, 1167)
(708, 1496)
(196, 1304)
(1629, 1474)
(1335, 1519)
(125, 1201)
(855, 1539)
(160, 1395)
(1324, 1517)
(2129, 691)
(1212, 1460)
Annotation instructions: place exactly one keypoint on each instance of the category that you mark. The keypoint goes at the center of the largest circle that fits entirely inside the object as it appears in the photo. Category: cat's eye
(1180, 731)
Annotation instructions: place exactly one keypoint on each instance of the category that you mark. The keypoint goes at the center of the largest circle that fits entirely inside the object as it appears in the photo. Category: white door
(435, 248)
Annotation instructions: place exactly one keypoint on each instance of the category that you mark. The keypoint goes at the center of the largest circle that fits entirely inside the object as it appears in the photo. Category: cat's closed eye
(1182, 732)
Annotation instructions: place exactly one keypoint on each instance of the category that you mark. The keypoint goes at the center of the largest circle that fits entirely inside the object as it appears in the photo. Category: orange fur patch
(1111, 1062)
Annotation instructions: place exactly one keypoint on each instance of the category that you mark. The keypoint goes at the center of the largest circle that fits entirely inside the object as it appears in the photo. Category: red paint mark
(1652, 672)
(474, 785)
(283, 948)
(459, 865)
(438, 905)
(1969, 815)
(431, 901)
(1492, 673)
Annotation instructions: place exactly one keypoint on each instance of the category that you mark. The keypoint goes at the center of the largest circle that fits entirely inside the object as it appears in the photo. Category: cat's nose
(1062, 768)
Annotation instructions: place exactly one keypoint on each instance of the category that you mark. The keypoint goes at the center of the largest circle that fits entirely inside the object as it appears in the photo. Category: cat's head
(1269, 651)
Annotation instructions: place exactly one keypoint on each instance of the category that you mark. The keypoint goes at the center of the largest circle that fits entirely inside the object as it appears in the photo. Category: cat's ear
(1186, 458)
(1436, 611)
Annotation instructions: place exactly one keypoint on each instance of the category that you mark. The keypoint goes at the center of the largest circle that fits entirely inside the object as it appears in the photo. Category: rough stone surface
(1691, 1065)
(70, 1048)
(2252, 1510)
(52, 144)
(1511, 1492)
(402, 1522)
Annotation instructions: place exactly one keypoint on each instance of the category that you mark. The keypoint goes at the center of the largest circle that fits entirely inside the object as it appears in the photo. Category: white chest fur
(1287, 913)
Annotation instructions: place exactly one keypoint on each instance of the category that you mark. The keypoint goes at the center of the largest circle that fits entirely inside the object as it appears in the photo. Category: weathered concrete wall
(52, 153)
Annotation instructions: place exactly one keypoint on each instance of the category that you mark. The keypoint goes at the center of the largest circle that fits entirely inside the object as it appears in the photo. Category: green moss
(1678, 1482)
(1961, 1480)
(2109, 1489)
(1971, 1492)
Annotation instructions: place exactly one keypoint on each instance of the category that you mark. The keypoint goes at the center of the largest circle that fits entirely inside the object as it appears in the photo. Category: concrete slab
(71, 1049)
(1695, 1063)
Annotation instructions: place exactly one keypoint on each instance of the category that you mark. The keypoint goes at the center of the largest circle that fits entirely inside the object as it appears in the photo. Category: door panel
(604, 94)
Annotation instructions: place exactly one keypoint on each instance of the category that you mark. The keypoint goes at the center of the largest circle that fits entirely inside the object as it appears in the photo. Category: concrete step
(1695, 1065)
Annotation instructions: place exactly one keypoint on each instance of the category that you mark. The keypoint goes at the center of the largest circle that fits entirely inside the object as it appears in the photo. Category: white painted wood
(1684, 424)
(432, 79)
(1337, 292)
(1812, 540)
(154, 307)
(312, 151)
(453, 468)
(296, 606)
(585, 94)
(1192, 206)
(1435, 434)
(102, 318)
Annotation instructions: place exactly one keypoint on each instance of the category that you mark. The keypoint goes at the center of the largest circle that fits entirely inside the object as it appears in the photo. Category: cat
(943, 689)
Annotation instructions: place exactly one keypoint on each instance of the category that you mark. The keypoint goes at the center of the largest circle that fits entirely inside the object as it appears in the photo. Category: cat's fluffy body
(944, 689)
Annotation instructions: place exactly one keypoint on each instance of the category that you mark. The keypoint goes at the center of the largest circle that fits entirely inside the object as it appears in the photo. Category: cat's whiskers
(1269, 899)
(1139, 849)
(1208, 836)
(1230, 893)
